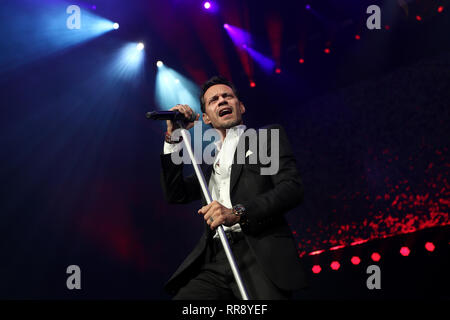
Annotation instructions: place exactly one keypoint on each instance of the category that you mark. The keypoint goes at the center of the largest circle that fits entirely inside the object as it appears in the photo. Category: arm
(176, 187)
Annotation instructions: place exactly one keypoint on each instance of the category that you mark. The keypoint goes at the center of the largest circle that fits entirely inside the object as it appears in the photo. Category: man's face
(223, 110)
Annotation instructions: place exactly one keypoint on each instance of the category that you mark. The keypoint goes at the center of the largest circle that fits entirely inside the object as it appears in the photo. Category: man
(251, 206)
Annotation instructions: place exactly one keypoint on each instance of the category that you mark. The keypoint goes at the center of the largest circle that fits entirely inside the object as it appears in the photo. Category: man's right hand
(187, 111)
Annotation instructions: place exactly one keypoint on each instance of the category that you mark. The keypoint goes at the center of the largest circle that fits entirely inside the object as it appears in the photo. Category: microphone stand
(207, 195)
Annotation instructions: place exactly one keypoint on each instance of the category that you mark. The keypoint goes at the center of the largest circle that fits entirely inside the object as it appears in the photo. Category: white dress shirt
(219, 183)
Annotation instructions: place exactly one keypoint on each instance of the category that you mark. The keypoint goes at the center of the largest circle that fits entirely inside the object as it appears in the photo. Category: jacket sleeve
(176, 187)
(286, 194)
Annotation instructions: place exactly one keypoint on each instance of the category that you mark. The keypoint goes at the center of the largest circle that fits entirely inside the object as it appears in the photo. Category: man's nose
(222, 101)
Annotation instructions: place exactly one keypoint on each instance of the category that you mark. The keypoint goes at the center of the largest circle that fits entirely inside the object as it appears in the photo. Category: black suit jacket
(266, 199)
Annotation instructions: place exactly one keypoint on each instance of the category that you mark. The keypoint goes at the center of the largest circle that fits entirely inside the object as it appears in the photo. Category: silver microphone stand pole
(207, 195)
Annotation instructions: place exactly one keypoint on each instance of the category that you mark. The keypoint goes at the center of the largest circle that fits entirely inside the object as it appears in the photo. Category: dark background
(80, 168)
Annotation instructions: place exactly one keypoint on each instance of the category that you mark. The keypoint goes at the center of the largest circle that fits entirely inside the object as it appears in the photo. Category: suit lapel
(207, 170)
(236, 168)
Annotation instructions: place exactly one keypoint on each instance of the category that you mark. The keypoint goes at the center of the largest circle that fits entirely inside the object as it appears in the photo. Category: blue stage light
(173, 88)
(128, 62)
(140, 46)
(42, 28)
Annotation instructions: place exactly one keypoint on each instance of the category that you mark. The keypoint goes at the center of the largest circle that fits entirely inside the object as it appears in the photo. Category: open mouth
(225, 111)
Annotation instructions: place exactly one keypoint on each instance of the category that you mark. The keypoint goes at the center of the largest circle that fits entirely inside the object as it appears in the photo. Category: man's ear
(206, 118)
(241, 107)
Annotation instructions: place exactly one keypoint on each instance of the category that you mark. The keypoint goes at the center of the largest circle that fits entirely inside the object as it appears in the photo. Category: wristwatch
(168, 139)
(239, 210)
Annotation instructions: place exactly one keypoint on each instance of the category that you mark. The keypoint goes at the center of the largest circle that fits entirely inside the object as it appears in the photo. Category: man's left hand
(219, 214)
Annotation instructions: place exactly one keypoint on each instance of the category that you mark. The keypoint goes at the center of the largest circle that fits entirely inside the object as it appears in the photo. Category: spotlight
(140, 46)
(327, 50)
(252, 84)
(226, 26)
(375, 256)
(115, 26)
(278, 70)
(308, 7)
(207, 5)
(301, 60)
(355, 260)
(129, 62)
(357, 37)
(159, 64)
(316, 269)
(440, 9)
(418, 18)
(335, 265)
(430, 246)
(404, 251)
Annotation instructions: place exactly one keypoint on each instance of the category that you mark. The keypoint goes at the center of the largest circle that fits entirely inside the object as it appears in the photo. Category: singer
(249, 205)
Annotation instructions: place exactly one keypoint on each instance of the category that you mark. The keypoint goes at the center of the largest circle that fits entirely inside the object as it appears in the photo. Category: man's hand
(219, 214)
(187, 111)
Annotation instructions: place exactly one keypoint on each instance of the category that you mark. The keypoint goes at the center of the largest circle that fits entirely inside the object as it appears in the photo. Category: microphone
(170, 115)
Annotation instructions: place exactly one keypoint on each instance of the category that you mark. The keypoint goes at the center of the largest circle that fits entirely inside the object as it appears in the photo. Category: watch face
(239, 209)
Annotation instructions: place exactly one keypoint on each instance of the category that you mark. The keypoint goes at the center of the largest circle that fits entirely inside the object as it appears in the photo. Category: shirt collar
(233, 132)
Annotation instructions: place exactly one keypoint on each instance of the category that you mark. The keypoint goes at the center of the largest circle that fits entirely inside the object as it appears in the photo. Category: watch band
(168, 139)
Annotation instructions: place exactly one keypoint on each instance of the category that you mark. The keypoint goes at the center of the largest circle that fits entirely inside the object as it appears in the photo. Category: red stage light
(375, 256)
(404, 251)
(316, 269)
(301, 60)
(387, 27)
(418, 18)
(327, 50)
(278, 70)
(440, 9)
(335, 265)
(430, 246)
(252, 84)
(355, 260)
(357, 37)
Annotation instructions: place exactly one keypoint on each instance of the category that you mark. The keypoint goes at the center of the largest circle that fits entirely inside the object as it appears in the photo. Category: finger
(187, 111)
(211, 215)
(205, 209)
(217, 222)
(207, 217)
(176, 107)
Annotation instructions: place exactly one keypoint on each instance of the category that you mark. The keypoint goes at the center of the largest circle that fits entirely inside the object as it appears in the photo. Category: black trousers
(215, 281)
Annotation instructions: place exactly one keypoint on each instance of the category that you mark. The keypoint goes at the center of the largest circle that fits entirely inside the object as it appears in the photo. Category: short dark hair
(212, 82)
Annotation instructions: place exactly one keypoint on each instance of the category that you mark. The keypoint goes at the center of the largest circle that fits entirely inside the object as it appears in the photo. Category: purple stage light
(239, 36)
(266, 63)
(207, 5)
(308, 7)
